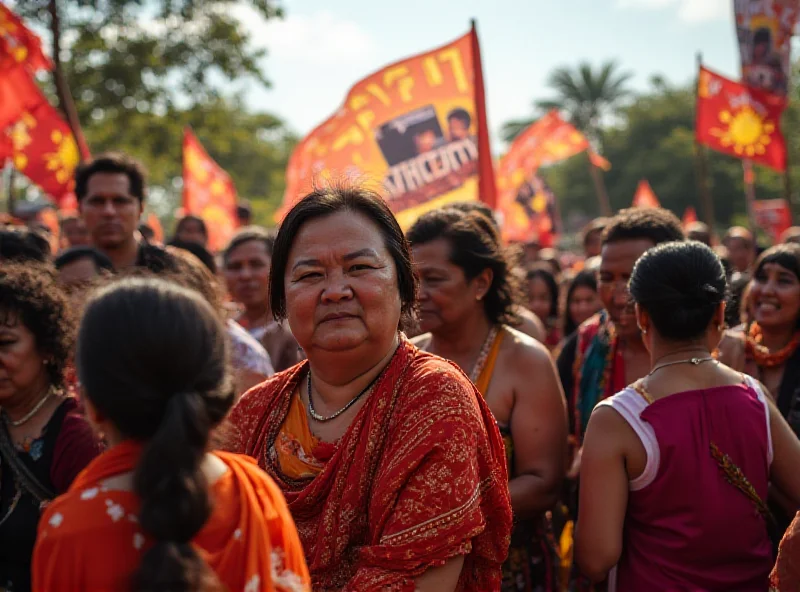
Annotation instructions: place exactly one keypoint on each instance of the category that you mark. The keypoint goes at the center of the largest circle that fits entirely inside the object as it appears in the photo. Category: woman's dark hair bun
(680, 285)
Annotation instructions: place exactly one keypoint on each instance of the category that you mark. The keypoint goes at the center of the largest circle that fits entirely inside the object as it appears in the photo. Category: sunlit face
(191, 231)
(446, 297)
(616, 266)
(22, 368)
(540, 301)
(741, 253)
(774, 297)
(247, 274)
(583, 303)
(341, 287)
(109, 210)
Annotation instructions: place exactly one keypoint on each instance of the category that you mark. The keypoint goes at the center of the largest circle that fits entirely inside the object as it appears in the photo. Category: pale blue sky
(322, 47)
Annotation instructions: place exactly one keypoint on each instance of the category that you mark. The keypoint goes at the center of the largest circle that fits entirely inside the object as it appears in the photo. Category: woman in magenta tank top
(676, 468)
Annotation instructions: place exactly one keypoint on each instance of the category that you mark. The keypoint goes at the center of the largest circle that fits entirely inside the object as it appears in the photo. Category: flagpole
(701, 160)
(487, 189)
(600, 189)
(62, 88)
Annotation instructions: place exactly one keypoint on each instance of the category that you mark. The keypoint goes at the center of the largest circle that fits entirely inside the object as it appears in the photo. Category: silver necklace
(322, 418)
(692, 361)
(28, 416)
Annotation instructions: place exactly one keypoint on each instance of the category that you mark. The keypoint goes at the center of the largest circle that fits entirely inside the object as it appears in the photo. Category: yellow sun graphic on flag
(65, 158)
(746, 131)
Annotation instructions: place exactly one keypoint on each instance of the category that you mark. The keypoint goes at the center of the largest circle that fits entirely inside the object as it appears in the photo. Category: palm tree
(584, 95)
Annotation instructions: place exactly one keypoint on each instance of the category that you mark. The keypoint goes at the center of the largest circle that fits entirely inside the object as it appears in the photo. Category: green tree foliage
(585, 95)
(141, 70)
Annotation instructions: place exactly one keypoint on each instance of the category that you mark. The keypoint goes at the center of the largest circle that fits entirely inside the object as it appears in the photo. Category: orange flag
(689, 217)
(527, 208)
(158, 230)
(48, 218)
(19, 45)
(418, 126)
(645, 196)
(44, 150)
(599, 161)
(208, 192)
(741, 121)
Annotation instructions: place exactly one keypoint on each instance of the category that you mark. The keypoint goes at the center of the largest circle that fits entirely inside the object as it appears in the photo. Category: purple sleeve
(76, 446)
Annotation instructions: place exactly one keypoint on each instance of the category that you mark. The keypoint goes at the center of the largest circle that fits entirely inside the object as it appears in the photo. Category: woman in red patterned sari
(390, 461)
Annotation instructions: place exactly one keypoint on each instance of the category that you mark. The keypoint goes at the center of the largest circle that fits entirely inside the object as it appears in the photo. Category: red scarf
(418, 478)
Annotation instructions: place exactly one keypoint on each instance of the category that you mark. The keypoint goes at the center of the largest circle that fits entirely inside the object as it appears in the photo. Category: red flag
(18, 93)
(521, 192)
(416, 125)
(689, 217)
(740, 121)
(645, 196)
(208, 192)
(19, 45)
(44, 149)
(774, 216)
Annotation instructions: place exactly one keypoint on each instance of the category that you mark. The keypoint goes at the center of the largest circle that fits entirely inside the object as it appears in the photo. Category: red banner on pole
(19, 45)
(740, 121)
(417, 126)
(208, 192)
(764, 29)
(526, 205)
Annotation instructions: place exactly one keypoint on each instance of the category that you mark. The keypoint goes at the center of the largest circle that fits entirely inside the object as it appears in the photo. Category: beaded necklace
(761, 355)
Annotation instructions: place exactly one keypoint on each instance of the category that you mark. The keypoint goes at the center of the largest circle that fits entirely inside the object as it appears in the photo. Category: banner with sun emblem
(19, 45)
(764, 29)
(740, 121)
(44, 150)
(208, 192)
(526, 205)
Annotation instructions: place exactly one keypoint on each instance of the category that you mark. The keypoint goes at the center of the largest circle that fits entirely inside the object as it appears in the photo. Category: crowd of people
(342, 405)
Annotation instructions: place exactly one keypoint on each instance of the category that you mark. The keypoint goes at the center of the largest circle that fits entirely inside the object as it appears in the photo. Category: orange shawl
(89, 538)
(418, 478)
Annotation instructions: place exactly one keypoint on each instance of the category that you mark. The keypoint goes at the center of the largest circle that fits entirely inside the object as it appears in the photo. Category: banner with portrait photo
(416, 128)
(764, 29)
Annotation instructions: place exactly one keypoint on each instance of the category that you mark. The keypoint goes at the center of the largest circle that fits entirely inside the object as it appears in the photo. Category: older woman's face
(446, 298)
(21, 365)
(774, 296)
(341, 286)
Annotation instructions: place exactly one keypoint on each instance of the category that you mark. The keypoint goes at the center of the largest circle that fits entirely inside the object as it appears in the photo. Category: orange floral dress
(89, 539)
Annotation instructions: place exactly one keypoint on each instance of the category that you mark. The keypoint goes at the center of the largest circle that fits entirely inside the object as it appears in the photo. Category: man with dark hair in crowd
(741, 247)
(21, 244)
(606, 353)
(81, 265)
(244, 213)
(700, 232)
(593, 237)
(111, 190)
(74, 232)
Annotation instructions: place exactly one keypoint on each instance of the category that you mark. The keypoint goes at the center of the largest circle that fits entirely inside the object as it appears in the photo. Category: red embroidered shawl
(418, 478)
